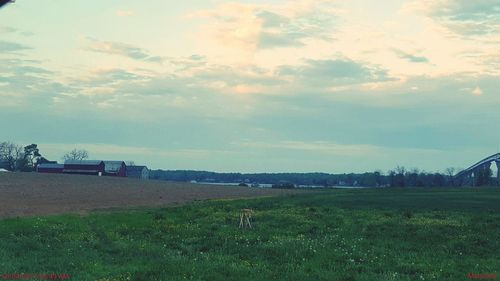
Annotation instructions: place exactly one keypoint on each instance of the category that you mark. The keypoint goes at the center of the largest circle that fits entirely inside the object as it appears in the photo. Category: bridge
(468, 176)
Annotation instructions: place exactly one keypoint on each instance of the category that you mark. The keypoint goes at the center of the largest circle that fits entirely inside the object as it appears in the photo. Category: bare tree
(450, 172)
(76, 154)
(12, 154)
(400, 170)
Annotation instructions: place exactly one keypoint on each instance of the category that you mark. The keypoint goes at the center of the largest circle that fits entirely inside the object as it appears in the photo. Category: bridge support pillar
(478, 174)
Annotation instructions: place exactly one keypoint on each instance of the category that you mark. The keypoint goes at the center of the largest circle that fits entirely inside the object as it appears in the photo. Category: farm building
(84, 167)
(115, 168)
(138, 172)
(52, 168)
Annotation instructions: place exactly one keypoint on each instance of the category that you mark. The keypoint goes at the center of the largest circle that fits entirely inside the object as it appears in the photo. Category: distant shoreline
(269, 185)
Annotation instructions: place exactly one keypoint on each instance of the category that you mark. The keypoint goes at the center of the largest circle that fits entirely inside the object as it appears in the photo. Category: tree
(12, 154)
(438, 180)
(76, 154)
(378, 177)
(399, 177)
(30, 158)
(450, 173)
(412, 177)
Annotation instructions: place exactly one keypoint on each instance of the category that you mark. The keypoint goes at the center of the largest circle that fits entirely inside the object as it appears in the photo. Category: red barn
(51, 168)
(84, 167)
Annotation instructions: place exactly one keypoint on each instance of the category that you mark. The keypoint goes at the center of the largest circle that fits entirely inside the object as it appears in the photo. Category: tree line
(18, 158)
(398, 177)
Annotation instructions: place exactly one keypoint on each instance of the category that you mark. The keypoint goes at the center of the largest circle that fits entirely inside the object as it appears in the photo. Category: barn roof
(136, 171)
(82, 162)
(135, 168)
(50, 166)
(113, 166)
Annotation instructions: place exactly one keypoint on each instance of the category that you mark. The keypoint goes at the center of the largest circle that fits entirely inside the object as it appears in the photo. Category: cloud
(492, 61)
(118, 74)
(16, 67)
(12, 47)
(282, 31)
(195, 84)
(268, 40)
(326, 73)
(464, 17)
(105, 81)
(7, 29)
(189, 63)
(412, 58)
(28, 82)
(477, 91)
(27, 33)
(122, 49)
(272, 20)
(133, 151)
(255, 27)
(124, 13)
(320, 147)
(147, 96)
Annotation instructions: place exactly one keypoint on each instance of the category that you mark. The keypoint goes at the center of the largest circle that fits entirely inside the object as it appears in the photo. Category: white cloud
(12, 47)
(316, 146)
(477, 91)
(124, 13)
(251, 27)
(463, 17)
(122, 49)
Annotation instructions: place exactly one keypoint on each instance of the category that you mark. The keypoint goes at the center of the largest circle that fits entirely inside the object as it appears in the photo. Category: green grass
(397, 234)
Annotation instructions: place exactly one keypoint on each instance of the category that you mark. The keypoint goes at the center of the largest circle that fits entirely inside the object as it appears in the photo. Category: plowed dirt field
(32, 194)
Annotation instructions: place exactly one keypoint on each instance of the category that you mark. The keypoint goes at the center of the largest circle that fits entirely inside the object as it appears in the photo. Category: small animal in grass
(245, 218)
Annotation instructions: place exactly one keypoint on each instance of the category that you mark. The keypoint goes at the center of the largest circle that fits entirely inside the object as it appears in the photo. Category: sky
(254, 86)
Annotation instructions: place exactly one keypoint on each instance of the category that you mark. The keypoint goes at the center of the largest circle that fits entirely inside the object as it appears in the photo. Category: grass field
(397, 234)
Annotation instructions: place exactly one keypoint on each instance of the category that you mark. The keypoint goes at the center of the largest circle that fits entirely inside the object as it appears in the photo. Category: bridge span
(468, 176)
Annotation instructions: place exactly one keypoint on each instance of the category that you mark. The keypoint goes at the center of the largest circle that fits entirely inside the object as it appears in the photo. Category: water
(269, 185)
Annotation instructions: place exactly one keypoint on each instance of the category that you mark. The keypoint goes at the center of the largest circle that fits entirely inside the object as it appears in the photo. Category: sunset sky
(254, 86)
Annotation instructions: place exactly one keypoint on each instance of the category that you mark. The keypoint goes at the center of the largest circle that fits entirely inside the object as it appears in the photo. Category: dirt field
(30, 194)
